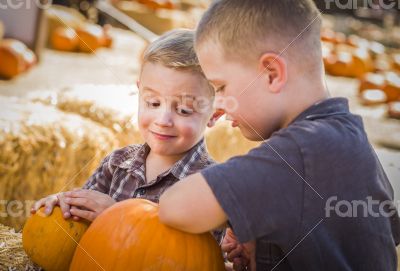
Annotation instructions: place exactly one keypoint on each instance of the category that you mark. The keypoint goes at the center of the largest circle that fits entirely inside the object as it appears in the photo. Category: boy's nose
(219, 103)
(164, 119)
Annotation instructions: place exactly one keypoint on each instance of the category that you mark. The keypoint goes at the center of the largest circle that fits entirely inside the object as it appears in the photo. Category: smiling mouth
(162, 136)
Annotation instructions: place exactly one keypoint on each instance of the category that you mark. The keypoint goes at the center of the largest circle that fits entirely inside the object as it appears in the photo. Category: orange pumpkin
(50, 241)
(373, 97)
(362, 63)
(129, 236)
(64, 39)
(372, 81)
(394, 110)
(11, 58)
(392, 86)
(29, 59)
(158, 4)
(91, 37)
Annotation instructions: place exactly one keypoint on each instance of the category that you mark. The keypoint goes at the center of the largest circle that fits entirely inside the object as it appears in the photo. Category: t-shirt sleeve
(261, 192)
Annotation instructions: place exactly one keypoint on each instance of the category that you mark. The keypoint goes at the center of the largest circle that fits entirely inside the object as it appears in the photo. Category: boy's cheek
(191, 129)
(144, 119)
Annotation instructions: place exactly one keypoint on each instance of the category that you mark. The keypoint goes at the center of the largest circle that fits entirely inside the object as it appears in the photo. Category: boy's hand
(241, 255)
(49, 202)
(87, 204)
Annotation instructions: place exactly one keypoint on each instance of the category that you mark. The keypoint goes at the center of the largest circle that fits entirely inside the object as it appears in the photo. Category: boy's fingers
(88, 215)
(81, 202)
(235, 253)
(228, 247)
(77, 193)
(49, 205)
(64, 207)
(37, 205)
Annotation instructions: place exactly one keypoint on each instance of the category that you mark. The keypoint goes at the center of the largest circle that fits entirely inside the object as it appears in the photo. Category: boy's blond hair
(174, 49)
(247, 28)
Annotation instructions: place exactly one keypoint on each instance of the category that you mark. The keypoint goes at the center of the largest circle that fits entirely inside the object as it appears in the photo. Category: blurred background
(68, 94)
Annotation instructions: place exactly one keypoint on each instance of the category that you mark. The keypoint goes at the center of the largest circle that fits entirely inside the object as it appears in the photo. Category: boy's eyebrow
(215, 82)
(179, 96)
(150, 89)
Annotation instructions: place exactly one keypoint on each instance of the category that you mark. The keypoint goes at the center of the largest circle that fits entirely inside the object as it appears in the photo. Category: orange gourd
(158, 4)
(129, 236)
(91, 37)
(65, 39)
(392, 86)
(50, 241)
(11, 58)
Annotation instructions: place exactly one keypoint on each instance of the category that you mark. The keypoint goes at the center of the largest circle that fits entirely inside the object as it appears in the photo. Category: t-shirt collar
(325, 108)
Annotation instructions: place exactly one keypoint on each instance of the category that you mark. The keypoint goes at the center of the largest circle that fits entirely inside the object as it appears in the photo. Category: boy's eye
(220, 89)
(153, 104)
(184, 111)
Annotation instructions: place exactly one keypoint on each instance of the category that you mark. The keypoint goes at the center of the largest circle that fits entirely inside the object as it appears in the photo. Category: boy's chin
(167, 150)
(252, 135)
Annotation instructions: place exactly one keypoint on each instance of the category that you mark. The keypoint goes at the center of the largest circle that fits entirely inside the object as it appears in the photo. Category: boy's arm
(191, 206)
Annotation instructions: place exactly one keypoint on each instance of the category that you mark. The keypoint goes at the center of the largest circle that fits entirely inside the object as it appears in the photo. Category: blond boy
(174, 110)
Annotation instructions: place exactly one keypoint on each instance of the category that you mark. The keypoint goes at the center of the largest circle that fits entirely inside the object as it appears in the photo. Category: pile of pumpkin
(70, 31)
(381, 88)
(15, 57)
(127, 236)
(86, 38)
(170, 4)
(376, 67)
(160, 16)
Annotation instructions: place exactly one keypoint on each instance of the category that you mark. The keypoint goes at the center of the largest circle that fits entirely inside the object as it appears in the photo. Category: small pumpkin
(392, 86)
(64, 39)
(371, 81)
(394, 110)
(11, 56)
(129, 236)
(158, 4)
(50, 241)
(91, 37)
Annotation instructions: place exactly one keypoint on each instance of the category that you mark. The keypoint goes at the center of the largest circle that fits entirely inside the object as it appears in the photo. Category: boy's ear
(274, 67)
(138, 83)
(216, 116)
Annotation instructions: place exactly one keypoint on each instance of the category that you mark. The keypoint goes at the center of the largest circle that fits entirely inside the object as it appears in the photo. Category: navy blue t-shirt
(314, 196)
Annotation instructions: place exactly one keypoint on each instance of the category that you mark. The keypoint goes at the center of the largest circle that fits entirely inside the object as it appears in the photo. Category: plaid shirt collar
(187, 165)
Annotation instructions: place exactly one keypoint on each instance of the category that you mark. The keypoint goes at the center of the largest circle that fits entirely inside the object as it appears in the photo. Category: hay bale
(224, 141)
(43, 151)
(12, 254)
(113, 106)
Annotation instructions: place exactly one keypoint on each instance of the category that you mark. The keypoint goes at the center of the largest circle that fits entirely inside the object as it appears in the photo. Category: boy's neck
(156, 164)
(307, 94)
(165, 159)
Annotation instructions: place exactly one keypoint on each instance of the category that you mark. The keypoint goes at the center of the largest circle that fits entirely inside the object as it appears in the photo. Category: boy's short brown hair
(247, 28)
(174, 49)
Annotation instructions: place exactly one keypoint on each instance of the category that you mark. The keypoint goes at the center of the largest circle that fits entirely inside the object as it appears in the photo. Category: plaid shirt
(122, 176)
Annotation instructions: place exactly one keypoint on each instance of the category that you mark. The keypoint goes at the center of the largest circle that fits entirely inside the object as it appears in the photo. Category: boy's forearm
(190, 206)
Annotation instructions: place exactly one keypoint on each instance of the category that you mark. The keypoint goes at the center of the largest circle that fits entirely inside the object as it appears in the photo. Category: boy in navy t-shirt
(313, 195)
